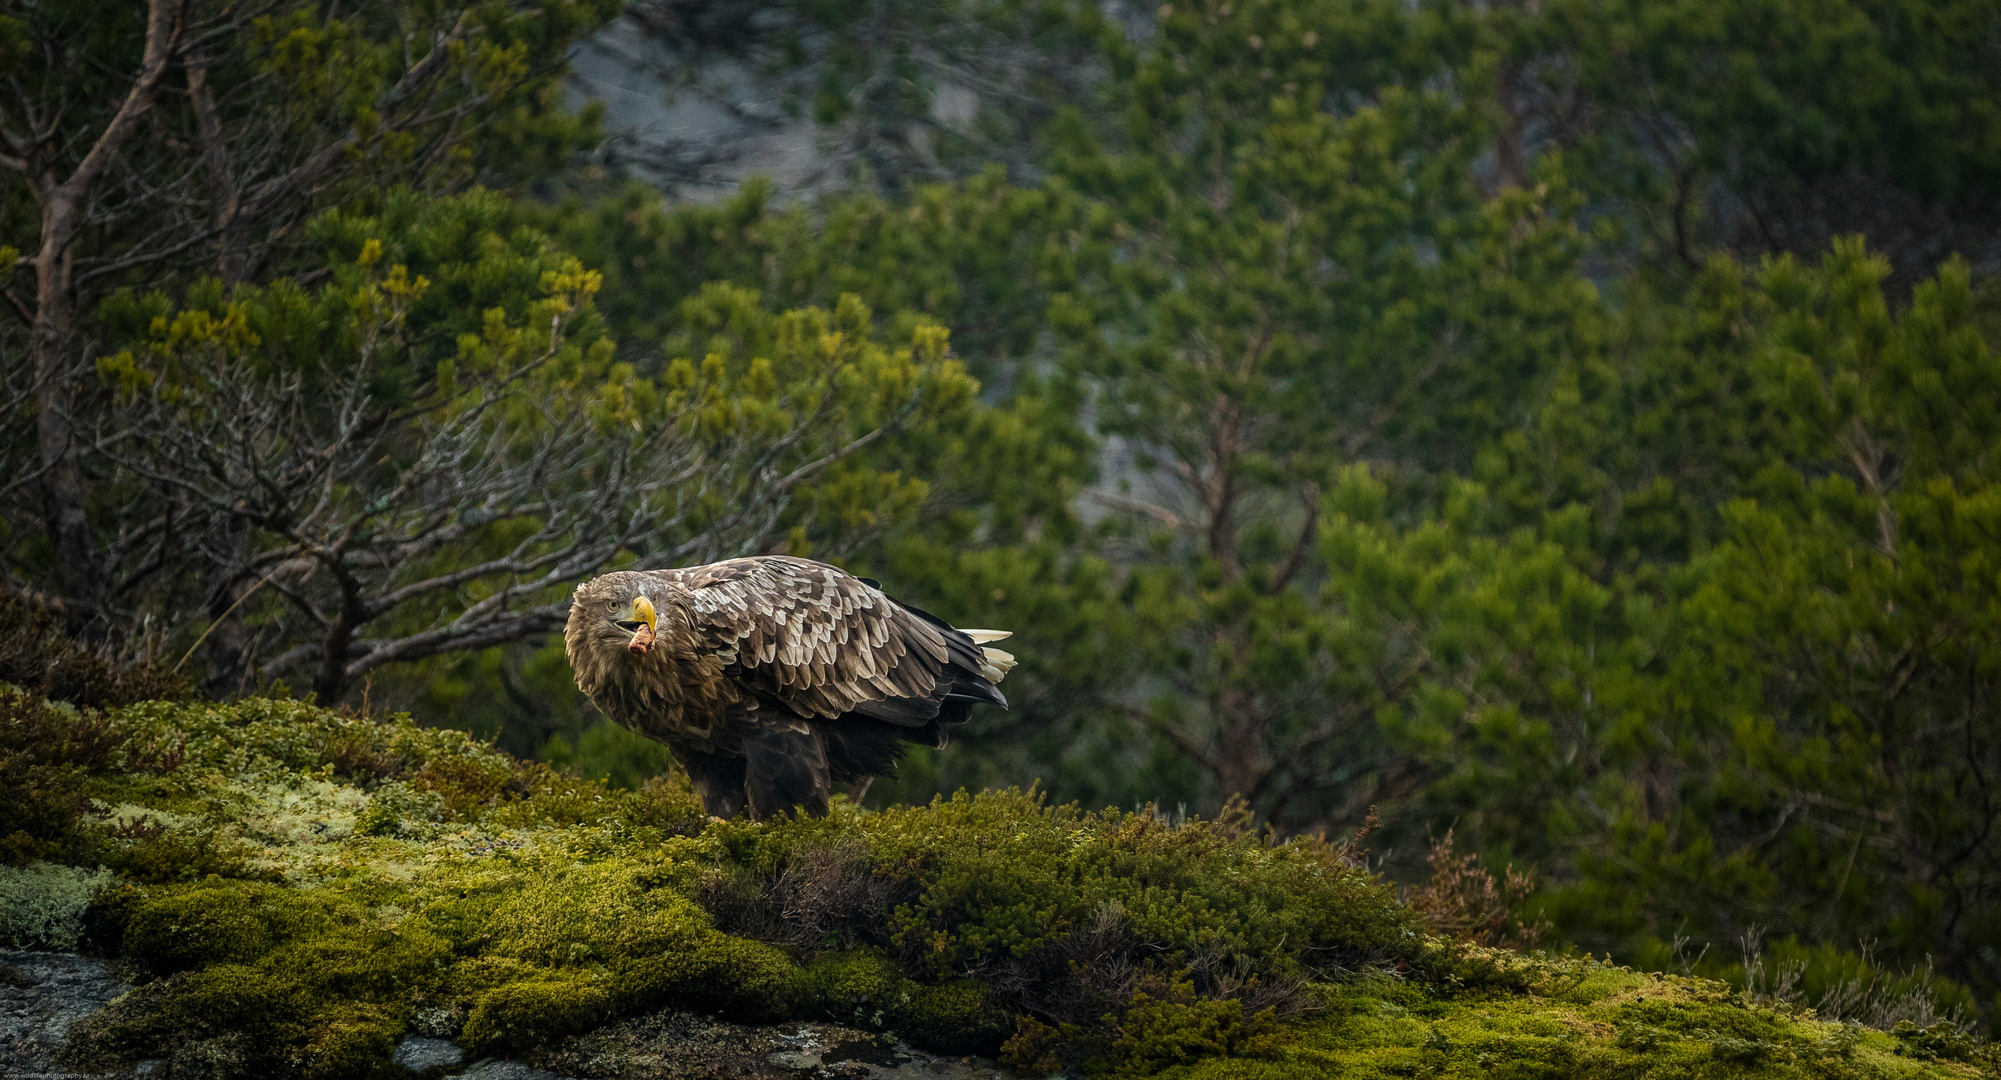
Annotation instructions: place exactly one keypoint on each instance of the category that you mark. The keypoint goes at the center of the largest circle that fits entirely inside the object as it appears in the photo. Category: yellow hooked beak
(642, 612)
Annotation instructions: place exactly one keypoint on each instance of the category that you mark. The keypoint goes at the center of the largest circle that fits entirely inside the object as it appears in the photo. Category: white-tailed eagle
(774, 678)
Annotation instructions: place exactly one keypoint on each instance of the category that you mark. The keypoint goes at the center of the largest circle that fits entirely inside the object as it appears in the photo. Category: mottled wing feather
(818, 641)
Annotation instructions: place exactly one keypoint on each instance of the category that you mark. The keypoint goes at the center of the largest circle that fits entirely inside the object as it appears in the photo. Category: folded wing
(825, 644)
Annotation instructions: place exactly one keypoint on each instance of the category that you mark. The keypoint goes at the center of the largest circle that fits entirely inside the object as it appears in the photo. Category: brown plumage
(774, 678)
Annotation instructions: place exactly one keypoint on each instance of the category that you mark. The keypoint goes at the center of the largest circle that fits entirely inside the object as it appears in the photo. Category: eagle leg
(786, 768)
(718, 780)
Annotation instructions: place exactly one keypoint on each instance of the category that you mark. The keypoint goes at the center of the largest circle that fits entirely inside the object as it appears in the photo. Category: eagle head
(614, 611)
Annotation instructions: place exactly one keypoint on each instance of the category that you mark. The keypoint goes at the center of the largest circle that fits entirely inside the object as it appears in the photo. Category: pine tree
(424, 455)
(1278, 281)
(137, 144)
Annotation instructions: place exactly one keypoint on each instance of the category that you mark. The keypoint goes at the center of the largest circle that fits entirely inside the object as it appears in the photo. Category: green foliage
(967, 252)
(538, 905)
(610, 753)
(528, 1012)
(1942, 1040)
(1646, 1024)
(47, 752)
(225, 128)
(1835, 632)
(457, 430)
(1702, 736)
(1794, 122)
(1405, 495)
(1378, 405)
(535, 904)
(1272, 262)
(1154, 1035)
(1209, 892)
(294, 81)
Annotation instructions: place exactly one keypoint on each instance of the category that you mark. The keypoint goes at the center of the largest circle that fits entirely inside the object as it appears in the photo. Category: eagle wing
(823, 643)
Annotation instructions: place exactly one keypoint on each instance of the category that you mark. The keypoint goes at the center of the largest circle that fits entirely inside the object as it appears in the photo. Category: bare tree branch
(461, 519)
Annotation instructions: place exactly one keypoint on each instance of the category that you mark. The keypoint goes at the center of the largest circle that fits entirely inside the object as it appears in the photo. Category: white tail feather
(998, 664)
(981, 637)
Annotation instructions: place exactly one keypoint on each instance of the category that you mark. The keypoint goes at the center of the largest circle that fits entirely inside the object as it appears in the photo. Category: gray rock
(419, 1053)
(41, 995)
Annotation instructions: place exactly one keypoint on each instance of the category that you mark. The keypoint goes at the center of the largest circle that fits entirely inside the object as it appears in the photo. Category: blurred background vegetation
(1573, 426)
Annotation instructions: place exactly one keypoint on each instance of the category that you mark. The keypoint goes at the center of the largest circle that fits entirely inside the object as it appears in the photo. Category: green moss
(300, 887)
(157, 855)
(865, 989)
(594, 914)
(729, 976)
(403, 810)
(224, 1020)
(474, 976)
(233, 997)
(1937, 1042)
(47, 757)
(1005, 875)
(963, 1016)
(1629, 1024)
(354, 1043)
(529, 1012)
(183, 928)
(860, 987)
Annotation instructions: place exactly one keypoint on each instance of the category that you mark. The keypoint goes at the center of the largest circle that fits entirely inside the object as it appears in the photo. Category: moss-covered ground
(295, 889)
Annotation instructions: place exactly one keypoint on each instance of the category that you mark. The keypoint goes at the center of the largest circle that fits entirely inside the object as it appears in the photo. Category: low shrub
(1066, 917)
(47, 754)
(37, 654)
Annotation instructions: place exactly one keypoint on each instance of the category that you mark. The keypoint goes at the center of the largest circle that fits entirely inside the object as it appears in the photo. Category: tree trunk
(65, 498)
(346, 623)
(65, 490)
(1241, 768)
(231, 225)
(1240, 765)
(1221, 496)
(332, 680)
(1510, 160)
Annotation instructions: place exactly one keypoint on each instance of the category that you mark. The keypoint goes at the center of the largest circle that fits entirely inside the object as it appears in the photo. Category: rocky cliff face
(270, 889)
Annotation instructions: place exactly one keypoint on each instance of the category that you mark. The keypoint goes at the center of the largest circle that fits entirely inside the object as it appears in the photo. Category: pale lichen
(42, 905)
